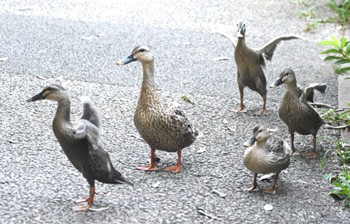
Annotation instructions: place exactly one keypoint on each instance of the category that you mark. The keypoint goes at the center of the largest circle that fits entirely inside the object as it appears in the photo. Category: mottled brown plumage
(299, 116)
(268, 155)
(80, 141)
(250, 63)
(162, 128)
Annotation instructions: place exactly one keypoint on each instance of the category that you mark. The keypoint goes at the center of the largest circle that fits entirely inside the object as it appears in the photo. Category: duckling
(81, 141)
(299, 116)
(268, 155)
(162, 128)
(250, 63)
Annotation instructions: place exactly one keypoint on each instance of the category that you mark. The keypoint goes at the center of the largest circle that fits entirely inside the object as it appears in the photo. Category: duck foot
(240, 110)
(309, 155)
(81, 200)
(148, 168)
(251, 188)
(173, 169)
(83, 208)
(270, 190)
(261, 112)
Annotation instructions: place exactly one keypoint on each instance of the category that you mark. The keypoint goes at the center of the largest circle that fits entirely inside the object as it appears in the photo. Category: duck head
(287, 76)
(260, 134)
(140, 53)
(241, 28)
(50, 92)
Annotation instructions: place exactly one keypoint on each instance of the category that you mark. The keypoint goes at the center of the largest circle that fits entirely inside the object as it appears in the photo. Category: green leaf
(329, 58)
(328, 43)
(336, 41)
(331, 51)
(342, 42)
(347, 49)
(340, 70)
(342, 61)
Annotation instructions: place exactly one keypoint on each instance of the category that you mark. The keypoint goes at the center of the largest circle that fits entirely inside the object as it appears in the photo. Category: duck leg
(152, 166)
(263, 110)
(89, 201)
(254, 185)
(175, 169)
(292, 142)
(241, 107)
(272, 189)
(313, 153)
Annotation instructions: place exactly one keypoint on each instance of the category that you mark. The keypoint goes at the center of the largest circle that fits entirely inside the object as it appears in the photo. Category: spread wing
(268, 49)
(229, 37)
(86, 129)
(309, 91)
(90, 112)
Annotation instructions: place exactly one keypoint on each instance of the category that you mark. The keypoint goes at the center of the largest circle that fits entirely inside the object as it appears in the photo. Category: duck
(265, 154)
(250, 63)
(296, 113)
(162, 128)
(80, 141)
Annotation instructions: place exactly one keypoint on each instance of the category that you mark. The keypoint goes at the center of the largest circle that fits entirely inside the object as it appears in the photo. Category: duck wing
(229, 37)
(84, 129)
(268, 49)
(308, 93)
(90, 112)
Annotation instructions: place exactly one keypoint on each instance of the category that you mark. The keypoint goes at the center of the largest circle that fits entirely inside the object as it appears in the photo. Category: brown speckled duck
(268, 155)
(161, 128)
(299, 116)
(80, 141)
(250, 63)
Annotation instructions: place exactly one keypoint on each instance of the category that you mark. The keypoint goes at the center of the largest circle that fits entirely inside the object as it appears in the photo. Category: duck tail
(119, 179)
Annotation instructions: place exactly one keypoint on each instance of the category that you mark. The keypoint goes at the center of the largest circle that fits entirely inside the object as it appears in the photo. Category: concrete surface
(76, 43)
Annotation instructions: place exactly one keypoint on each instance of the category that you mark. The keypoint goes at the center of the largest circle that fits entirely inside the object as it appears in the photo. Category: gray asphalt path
(76, 43)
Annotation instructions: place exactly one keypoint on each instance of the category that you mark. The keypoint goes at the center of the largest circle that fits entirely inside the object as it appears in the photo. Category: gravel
(76, 44)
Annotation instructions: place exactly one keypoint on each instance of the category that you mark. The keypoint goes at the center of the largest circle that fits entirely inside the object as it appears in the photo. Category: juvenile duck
(162, 128)
(80, 141)
(250, 63)
(299, 116)
(268, 155)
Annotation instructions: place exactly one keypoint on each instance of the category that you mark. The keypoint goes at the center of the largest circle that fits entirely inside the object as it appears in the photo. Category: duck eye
(142, 50)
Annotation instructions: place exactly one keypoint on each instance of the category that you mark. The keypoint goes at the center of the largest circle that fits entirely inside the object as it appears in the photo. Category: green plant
(342, 8)
(339, 52)
(343, 153)
(341, 187)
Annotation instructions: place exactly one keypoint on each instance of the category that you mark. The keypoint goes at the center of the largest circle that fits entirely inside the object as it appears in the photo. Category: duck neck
(292, 87)
(63, 112)
(148, 93)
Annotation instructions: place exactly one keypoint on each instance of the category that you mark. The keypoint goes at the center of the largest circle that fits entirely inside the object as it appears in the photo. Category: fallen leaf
(204, 213)
(219, 193)
(187, 99)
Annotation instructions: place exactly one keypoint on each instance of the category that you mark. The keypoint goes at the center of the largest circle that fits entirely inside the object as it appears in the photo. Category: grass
(341, 184)
(342, 9)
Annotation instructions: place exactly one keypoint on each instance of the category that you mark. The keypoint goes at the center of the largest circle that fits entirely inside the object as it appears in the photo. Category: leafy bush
(341, 187)
(339, 52)
(342, 8)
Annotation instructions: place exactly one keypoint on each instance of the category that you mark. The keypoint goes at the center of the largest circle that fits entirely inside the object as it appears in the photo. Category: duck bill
(126, 60)
(36, 97)
(278, 82)
(250, 142)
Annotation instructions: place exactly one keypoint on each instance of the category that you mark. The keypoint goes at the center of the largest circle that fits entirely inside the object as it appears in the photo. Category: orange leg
(272, 189)
(313, 153)
(90, 201)
(254, 185)
(152, 166)
(241, 107)
(175, 169)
